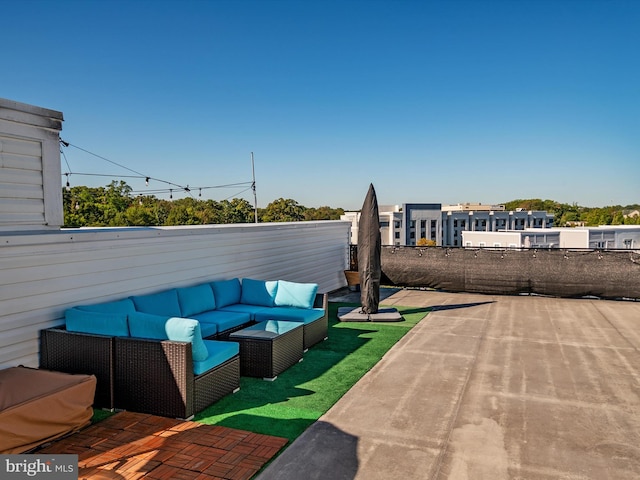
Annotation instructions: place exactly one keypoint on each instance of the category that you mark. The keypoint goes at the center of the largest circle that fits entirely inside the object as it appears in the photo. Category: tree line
(115, 205)
(569, 215)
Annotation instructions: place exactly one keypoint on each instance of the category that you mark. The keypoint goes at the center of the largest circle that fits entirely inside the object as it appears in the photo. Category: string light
(147, 178)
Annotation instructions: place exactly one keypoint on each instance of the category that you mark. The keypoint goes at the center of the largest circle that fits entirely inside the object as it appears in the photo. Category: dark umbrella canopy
(369, 246)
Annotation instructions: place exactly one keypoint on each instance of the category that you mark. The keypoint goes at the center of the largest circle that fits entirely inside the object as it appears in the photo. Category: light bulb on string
(68, 185)
(146, 181)
(170, 193)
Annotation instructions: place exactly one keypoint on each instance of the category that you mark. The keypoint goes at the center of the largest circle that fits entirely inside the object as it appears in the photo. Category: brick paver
(131, 446)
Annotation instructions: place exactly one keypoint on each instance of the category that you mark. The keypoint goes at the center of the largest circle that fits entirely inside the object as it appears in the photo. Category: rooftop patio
(484, 387)
(488, 387)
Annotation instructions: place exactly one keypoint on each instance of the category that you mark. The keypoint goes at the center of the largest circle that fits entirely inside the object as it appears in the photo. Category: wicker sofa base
(156, 377)
(315, 332)
(72, 352)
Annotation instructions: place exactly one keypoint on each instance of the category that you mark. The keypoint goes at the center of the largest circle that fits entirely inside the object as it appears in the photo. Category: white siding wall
(43, 273)
(30, 175)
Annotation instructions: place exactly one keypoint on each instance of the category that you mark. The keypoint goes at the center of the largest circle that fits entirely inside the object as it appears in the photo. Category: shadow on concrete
(323, 451)
(436, 308)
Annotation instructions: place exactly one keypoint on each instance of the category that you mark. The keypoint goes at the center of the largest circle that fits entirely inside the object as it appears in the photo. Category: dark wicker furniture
(156, 377)
(72, 352)
(317, 330)
(269, 348)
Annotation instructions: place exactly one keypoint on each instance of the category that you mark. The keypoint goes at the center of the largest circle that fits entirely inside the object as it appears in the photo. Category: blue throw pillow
(300, 295)
(162, 303)
(226, 292)
(147, 325)
(111, 324)
(118, 306)
(187, 330)
(258, 292)
(194, 300)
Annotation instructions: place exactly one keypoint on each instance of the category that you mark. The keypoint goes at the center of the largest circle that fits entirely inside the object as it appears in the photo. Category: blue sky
(431, 101)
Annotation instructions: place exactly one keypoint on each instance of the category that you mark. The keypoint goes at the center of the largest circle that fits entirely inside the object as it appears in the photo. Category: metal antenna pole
(253, 187)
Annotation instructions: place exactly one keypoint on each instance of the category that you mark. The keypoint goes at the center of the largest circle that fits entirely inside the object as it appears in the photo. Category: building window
(396, 224)
(482, 244)
(397, 235)
(497, 244)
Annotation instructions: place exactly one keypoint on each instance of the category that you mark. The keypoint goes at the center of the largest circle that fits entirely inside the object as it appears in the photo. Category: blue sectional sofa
(135, 346)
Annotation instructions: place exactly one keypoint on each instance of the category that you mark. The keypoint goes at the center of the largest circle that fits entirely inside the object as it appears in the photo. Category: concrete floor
(488, 388)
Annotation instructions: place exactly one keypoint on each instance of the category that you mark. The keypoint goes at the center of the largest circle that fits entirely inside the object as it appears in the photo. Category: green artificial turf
(301, 394)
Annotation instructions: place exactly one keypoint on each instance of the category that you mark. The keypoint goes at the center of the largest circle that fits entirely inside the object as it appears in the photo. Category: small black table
(268, 348)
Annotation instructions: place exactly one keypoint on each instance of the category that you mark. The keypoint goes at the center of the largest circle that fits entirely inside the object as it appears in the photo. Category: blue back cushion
(300, 295)
(258, 292)
(119, 306)
(162, 303)
(146, 325)
(226, 292)
(188, 330)
(111, 324)
(194, 300)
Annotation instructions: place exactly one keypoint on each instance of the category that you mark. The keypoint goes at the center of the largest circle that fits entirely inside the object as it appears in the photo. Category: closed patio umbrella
(369, 246)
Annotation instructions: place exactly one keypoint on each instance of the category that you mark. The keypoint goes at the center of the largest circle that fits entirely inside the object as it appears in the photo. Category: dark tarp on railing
(555, 272)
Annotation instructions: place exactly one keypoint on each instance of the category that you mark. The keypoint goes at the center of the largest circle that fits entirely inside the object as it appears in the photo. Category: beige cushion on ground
(37, 406)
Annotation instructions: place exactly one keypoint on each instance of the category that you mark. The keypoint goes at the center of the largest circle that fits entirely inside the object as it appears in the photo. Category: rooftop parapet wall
(43, 273)
(612, 274)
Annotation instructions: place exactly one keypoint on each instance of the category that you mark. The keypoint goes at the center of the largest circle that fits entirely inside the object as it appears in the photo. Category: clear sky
(431, 101)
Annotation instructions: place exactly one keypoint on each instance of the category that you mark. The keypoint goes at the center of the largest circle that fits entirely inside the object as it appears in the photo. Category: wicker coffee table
(268, 348)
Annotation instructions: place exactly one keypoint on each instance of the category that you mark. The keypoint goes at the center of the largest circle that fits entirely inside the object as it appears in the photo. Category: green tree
(283, 210)
(323, 213)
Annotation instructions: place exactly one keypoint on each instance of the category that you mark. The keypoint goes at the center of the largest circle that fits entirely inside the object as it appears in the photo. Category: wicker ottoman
(268, 348)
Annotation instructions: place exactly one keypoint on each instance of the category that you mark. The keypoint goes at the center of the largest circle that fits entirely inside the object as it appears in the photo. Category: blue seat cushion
(290, 314)
(226, 292)
(292, 294)
(118, 306)
(242, 308)
(162, 303)
(258, 292)
(218, 353)
(196, 299)
(111, 324)
(208, 329)
(224, 320)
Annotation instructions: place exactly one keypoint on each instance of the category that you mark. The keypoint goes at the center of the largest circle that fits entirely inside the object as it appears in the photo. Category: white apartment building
(408, 224)
(603, 237)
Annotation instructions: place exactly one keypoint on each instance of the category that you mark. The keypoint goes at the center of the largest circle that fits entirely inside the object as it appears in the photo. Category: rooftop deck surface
(488, 388)
(131, 446)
